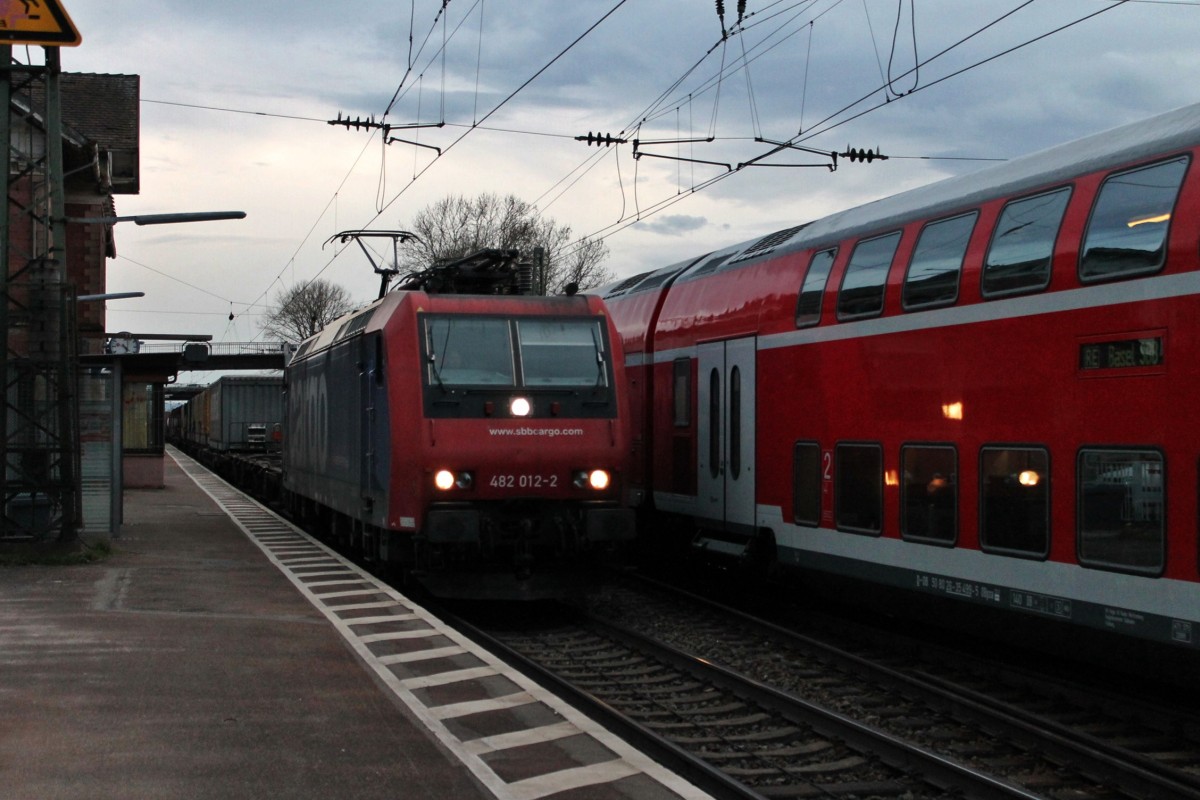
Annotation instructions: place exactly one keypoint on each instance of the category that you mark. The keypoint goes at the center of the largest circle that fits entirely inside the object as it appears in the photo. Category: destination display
(1123, 353)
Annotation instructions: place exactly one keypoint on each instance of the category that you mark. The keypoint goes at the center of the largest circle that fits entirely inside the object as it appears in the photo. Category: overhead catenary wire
(841, 117)
(836, 119)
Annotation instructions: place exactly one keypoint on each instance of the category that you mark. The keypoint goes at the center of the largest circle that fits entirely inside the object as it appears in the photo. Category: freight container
(244, 412)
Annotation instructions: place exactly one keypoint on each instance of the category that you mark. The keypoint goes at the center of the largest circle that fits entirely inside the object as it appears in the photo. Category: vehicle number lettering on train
(524, 481)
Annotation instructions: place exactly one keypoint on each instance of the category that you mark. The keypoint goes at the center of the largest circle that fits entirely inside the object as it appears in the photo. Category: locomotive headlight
(445, 480)
(597, 479)
(1029, 478)
(520, 407)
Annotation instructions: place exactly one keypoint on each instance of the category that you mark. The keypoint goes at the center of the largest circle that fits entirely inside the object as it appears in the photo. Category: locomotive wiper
(437, 373)
(599, 361)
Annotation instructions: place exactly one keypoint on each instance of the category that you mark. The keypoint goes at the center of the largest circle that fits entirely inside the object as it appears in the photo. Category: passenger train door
(725, 434)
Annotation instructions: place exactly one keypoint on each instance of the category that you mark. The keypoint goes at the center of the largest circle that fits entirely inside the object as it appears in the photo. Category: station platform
(187, 664)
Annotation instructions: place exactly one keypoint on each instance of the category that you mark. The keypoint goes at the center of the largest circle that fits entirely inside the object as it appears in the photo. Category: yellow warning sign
(42, 22)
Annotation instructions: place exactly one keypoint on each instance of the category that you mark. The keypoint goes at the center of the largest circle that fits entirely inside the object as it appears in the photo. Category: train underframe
(517, 549)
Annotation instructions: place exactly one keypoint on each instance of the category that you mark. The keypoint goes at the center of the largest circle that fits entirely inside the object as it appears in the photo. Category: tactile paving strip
(518, 739)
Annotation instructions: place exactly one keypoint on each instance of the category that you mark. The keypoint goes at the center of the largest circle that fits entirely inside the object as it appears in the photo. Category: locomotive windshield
(561, 353)
(466, 351)
(470, 351)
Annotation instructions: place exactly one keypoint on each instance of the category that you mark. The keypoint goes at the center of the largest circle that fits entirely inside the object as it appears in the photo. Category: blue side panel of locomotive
(338, 446)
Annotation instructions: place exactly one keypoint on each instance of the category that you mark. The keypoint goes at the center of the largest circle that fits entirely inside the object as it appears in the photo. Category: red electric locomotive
(480, 439)
(979, 390)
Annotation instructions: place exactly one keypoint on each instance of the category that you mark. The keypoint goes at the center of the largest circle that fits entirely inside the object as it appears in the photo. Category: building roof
(103, 110)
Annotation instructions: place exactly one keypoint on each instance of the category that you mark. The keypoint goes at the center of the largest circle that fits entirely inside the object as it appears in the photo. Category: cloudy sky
(236, 97)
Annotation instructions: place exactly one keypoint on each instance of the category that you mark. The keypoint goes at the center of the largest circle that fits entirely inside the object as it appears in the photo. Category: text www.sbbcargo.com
(551, 432)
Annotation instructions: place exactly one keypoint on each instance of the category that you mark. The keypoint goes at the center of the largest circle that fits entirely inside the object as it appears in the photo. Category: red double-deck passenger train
(982, 389)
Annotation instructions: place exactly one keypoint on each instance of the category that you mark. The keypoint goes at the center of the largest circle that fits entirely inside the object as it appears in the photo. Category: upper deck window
(936, 265)
(1018, 259)
(1127, 232)
(866, 276)
(808, 304)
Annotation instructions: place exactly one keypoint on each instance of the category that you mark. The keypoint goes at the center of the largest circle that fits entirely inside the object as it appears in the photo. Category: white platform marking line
(372, 604)
(371, 638)
(469, 707)
(384, 618)
(347, 593)
(505, 741)
(433, 722)
(422, 655)
(345, 582)
(574, 778)
(447, 678)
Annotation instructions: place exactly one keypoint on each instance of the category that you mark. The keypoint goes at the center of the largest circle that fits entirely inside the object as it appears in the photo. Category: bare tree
(302, 311)
(456, 226)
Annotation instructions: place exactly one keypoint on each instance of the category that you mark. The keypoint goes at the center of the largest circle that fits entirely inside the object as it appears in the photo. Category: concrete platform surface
(187, 666)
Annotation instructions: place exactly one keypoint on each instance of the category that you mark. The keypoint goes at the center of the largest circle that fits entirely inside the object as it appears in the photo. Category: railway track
(768, 713)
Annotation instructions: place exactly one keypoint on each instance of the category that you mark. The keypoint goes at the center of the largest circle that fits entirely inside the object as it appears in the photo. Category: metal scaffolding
(39, 438)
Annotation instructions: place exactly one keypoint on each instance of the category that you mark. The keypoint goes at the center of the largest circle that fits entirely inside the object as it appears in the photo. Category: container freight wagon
(243, 413)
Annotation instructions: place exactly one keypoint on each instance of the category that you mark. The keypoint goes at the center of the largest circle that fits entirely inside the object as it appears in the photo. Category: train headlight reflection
(1029, 477)
(597, 479)
(520, 407)
(445, 480)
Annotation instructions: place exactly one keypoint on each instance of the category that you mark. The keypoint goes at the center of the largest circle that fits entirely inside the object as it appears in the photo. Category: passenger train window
(858, 488)
(806, 483)
(1121, 506)
(681, 385)
(936, 265)
(808, 303)
(735, 422)
(1014, 500)
(1019, 257)
(929, 493)
(861, 294)
(714, 423)
(1127, 232)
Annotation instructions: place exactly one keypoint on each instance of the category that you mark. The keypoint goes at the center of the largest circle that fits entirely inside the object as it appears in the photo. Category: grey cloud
(674, 224)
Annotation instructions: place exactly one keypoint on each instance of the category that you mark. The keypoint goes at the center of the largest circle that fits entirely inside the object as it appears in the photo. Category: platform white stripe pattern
(291, 550)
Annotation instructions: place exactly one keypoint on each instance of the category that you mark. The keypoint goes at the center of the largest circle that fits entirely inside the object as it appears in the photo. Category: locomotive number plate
(524, 481)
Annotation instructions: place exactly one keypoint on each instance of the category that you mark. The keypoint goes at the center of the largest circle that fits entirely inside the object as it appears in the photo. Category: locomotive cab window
(933, 273)
(1014, 500)
(469, 351)
(929, 493)
(808, 303)
(861, 294)
(494, 351)
(1127, 232)
(858, 488)
(1020, 254)
(561, 353)
(1121, 510)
